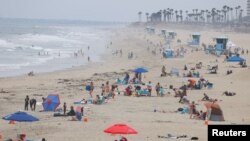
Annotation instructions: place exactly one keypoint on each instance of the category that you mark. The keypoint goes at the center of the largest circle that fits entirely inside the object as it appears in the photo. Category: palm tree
(187, 15)
(147, 14)
(176, 15)
(232, 17)
(240, 15)
(139, 14)
(181, 15)
(213, 13)
(164, 14)
(236, 11)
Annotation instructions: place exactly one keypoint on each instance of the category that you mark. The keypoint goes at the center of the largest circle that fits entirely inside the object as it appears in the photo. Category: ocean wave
(13, 66)
(43, 38)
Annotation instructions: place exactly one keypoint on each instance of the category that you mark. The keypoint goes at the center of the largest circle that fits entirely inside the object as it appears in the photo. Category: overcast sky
(101, 10)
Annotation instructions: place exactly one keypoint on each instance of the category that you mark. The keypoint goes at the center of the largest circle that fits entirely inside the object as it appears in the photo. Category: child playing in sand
(64, 108)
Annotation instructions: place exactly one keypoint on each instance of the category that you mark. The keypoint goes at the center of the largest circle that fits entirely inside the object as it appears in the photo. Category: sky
(102, 10)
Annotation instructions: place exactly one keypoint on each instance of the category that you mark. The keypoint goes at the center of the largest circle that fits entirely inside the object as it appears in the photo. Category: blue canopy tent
(140, 70)
(51, 102)
(21, 117)
(235, 59)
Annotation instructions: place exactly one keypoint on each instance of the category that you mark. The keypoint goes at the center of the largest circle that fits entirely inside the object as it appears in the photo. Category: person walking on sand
(26, 103)
(64, 108)
(91, 88)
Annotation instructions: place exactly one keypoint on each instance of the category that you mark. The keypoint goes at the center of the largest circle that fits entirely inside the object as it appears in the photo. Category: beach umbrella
(120, 129)
(21, 117)
(51, 102)
(140, 70)
(235, 59)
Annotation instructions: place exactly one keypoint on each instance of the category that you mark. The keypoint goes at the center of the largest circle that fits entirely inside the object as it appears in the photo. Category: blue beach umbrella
(21, 117)
(140, 70)
(51, 102)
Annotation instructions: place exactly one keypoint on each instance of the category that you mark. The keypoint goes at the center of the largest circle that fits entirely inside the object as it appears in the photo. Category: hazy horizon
(96, 10)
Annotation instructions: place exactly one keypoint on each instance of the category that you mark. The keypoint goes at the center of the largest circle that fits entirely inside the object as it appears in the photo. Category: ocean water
(49, 45)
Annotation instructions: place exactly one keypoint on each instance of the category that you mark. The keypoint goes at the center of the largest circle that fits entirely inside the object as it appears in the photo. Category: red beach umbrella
(120, 129)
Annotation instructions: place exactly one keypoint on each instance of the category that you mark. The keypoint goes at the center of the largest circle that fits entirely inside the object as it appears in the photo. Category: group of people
(31, 102)
(158, 88)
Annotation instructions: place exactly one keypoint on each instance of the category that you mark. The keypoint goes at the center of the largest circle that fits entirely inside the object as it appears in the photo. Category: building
(248, 7)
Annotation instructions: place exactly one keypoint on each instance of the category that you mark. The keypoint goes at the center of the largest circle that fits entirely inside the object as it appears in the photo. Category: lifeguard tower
(171, 34)
(150, 30)
(195, 39)
(163, 32)
(221, 44)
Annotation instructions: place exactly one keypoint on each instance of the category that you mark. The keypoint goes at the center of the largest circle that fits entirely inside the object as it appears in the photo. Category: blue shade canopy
(21, 116)
(51, 102)
(140, 70)
(235, 59)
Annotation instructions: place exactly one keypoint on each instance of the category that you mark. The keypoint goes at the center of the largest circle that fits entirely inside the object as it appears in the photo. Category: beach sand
(137, 112)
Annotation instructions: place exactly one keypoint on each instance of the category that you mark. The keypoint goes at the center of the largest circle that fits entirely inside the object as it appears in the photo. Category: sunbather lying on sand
(229, 93)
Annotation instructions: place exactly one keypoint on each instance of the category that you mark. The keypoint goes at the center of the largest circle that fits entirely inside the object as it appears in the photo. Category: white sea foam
(49, 49)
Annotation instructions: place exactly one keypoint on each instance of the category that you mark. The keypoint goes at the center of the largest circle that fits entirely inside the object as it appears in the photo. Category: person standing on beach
(107, 88)
(31, 104)
(126, 79)
(34, 104)
(26, 103)
(113, 87)
(149, 87)
(103, 89)
(157, 88)
(192, 109)
(88, 58)
(91, 89)
(64, 108)
(88, 47)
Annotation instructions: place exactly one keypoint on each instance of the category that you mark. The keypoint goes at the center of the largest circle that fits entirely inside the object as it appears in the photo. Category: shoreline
(138, 112)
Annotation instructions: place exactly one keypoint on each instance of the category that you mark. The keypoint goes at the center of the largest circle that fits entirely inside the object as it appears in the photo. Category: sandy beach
(137, 112)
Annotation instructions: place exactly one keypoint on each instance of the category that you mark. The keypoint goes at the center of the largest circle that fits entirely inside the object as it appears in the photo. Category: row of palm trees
(225, 15)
